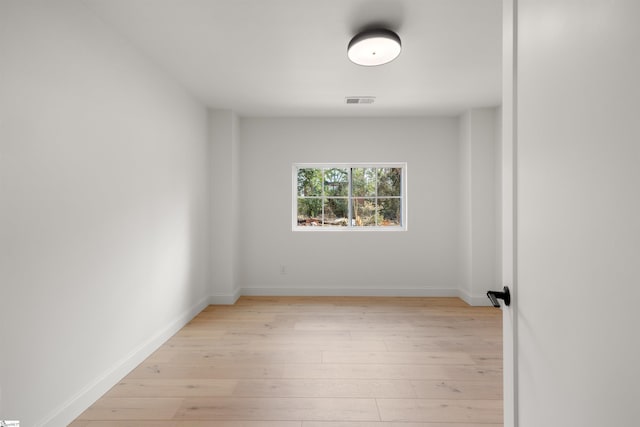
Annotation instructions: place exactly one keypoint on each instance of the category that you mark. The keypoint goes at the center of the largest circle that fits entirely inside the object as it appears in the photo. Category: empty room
(341, 213)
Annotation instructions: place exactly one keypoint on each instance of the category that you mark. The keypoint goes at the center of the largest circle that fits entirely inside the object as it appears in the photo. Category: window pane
(336, 182)
(364, 182)
(309, 212)
(364, 212)
(389, 212)
(309, 182)
(336, 212)
(389, 180)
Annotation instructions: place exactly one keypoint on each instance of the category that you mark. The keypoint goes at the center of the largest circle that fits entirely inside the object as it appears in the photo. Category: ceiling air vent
(360, 99)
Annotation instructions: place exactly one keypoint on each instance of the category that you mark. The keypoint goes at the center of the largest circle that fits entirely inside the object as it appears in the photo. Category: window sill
(320, 229)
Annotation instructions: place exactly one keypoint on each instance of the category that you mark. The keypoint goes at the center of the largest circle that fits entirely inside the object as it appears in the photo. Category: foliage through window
(350, 196)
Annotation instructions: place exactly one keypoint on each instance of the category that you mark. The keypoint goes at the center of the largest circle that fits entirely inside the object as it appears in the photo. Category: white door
(577, 251)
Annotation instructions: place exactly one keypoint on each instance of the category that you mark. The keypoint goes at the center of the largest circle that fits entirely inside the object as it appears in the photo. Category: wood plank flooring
(318, 362)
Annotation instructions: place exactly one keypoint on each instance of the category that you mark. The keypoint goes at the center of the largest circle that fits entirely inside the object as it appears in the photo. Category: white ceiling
(288, 57)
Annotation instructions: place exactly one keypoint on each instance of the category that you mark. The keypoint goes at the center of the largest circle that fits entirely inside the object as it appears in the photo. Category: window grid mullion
(323, 198)
(349, 199)
(376, 197)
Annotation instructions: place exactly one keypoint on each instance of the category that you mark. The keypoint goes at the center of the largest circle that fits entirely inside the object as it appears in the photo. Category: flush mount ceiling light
(374, 47)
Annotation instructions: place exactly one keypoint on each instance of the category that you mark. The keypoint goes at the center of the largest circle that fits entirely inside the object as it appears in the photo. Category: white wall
(497, 199)
(578, 246)
(225, 176)
(104, 204)
(478, 213)
(420, 261)
(464, 215)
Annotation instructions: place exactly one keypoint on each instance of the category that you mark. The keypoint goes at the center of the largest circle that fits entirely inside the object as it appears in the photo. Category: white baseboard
(72, 408)
(394, 292)
(225, 299)
(474, 300)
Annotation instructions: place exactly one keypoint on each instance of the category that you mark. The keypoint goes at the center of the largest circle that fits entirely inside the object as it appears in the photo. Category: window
(349, 196)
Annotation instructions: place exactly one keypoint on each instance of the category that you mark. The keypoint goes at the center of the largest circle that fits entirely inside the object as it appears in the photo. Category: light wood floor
(318, 362)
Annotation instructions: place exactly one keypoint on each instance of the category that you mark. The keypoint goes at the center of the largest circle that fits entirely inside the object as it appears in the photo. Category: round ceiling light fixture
(374, 47)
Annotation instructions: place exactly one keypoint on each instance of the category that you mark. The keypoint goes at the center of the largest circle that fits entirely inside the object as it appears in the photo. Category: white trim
(514, 420)
(372, 229)
(358, 292)
(72, 408)
(225, 299)
(350, 165)
(510, 341)
(349, 228)
(474, 300)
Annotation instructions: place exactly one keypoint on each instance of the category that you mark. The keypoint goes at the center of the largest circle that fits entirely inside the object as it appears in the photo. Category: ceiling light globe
(374, 47)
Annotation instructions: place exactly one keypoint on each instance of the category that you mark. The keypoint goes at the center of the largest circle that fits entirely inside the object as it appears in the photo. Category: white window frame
(349, 227)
